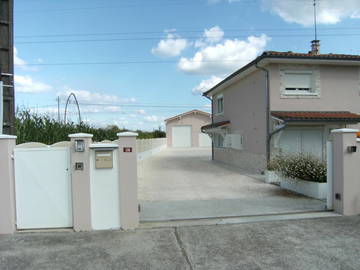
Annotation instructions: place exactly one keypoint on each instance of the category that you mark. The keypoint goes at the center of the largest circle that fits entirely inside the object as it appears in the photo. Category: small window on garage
(219, 104)
(299, 82)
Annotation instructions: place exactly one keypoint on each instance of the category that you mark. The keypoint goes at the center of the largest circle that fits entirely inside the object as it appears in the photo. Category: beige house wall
(245, 108)
(339, 90)
(195, 120)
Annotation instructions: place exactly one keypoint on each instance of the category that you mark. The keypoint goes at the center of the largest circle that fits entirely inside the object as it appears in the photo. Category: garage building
(184, 130)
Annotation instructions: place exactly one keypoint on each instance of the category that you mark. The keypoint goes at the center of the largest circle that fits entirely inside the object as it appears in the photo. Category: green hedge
(301, 166)
(32, 127)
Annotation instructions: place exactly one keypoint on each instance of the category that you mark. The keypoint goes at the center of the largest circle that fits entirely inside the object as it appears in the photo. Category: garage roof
(312, 116)
(187, 113)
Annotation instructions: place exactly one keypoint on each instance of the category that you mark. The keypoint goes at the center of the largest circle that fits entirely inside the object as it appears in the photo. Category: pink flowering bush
(300, 166)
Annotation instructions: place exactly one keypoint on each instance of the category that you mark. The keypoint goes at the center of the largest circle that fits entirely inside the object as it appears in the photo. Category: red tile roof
(309, 55)
(215, 125)
(335, 116)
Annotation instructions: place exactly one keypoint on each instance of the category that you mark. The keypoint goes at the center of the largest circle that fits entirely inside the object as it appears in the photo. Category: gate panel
(43, 188)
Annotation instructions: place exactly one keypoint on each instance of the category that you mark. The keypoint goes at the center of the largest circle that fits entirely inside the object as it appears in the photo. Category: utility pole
(7, 65)
(58, 102)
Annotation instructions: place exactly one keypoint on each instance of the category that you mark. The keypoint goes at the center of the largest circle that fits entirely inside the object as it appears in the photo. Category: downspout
(267, 97)
(212, 123)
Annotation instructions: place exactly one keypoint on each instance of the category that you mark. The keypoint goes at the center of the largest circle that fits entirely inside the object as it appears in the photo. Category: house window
(234, 141)
(218, 140)
(299, 82)
(219, 104)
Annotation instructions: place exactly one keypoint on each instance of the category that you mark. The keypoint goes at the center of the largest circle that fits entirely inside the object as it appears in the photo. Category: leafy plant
(31, 127)
(300, 166)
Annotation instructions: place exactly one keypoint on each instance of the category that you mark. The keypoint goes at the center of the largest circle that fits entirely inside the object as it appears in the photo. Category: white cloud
(21, 63)
(84, 96)
(328, 12)
(171, 46)
(17, 59)
(25, 84)
(212, 35)
(224, 57)
(206, 85)
(154, 118)
(142, 112)
(301, 11)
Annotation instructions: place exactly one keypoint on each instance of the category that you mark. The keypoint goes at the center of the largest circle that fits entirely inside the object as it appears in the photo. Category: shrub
(300, 166)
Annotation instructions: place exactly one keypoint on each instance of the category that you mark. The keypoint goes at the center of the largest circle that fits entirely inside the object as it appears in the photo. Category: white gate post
(129, 213)
(7, 185)
(346, 164)
(80, 176)
(329, 180)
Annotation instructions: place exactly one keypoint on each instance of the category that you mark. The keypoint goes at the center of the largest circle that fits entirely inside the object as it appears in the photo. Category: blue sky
(134, 63)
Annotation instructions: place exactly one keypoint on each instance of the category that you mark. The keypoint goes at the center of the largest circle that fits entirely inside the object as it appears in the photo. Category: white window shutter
(298, 80)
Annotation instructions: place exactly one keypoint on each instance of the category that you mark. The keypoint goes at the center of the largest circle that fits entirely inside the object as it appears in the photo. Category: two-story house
(283, 102)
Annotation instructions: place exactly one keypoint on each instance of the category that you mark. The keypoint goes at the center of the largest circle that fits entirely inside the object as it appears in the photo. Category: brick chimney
(315, 47)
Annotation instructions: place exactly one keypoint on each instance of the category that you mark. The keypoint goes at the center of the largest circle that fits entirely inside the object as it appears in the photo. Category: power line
(126, 5)
(123, 63)
(153, 38)
(183, 31)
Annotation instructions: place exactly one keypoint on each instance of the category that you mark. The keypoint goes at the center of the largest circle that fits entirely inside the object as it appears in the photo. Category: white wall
(105, 198)
(148, 147)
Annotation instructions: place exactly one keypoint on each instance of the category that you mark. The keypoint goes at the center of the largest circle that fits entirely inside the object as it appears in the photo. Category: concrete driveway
(324, 243)
(186, 183)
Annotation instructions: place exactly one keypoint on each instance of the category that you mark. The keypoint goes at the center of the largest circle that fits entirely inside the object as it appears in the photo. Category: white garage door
(302, 141)
(204, 140)
(181, 136)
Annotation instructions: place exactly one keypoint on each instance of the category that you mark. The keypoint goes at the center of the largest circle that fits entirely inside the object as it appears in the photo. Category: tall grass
(31, 127)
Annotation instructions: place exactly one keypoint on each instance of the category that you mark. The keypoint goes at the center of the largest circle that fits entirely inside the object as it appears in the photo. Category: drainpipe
(267, 96)
(212, 123)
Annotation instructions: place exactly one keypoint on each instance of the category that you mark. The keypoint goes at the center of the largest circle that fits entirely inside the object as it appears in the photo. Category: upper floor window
(219, 104)
(299, 82)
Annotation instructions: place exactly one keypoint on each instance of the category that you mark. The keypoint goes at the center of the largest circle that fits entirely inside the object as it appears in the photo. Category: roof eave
(280, 59)
(348, 121)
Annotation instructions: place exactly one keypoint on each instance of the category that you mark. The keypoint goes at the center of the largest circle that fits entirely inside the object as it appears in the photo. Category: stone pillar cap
(127, 134)
(345, 130)
(5, 136)
(81, 135)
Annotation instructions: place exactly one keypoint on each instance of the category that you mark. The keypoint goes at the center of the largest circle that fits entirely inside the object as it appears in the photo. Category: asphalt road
(322, 243)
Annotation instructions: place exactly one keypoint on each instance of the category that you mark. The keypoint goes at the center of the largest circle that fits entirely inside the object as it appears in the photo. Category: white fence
(75, 184)
(148, 147)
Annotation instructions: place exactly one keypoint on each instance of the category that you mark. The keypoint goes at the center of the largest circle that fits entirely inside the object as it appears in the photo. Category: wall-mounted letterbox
(79, 145)
(103, 159)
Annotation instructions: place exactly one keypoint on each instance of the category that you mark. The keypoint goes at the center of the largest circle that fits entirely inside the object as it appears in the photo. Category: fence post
(129, 213)
(346, 164)
(7, 185)
(329, 180)
(80, 171)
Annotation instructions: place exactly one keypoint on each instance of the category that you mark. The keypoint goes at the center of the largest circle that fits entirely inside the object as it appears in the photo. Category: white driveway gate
(43, 188)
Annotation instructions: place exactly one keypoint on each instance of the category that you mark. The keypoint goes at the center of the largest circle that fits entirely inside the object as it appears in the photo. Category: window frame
(300, 69)
(218, 98)
(216, 144)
